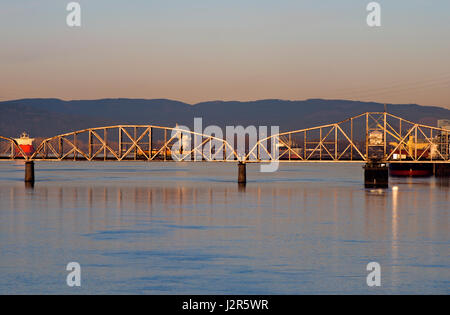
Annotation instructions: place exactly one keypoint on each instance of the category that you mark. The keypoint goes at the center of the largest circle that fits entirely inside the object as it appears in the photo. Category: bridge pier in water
(29, 172)
(442, 169)
(242, 173)
(376, 175)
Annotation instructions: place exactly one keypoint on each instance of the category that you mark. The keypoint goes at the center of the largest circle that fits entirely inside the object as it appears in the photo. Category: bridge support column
(376, 175)
(242, 173)
(29, 172)
(442, 169)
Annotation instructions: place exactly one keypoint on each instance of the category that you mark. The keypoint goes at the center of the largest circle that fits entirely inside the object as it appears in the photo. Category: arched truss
(372, 135)
(9, 149)
(134, 142)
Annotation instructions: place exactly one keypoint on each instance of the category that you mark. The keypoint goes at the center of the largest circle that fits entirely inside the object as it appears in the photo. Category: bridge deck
(358, 139)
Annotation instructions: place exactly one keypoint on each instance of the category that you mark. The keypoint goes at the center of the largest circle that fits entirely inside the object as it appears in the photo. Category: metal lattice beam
(371, 135)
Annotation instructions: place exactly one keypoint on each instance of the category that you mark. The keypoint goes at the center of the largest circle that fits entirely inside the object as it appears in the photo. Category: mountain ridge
(46, 117)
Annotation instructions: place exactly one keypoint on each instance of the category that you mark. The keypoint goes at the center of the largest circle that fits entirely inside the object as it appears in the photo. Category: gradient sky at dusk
(201, 50)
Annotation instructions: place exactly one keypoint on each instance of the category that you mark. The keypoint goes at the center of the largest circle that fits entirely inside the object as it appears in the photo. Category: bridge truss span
(363, 138)
(9, 149)
(370, 136)
(134, 143)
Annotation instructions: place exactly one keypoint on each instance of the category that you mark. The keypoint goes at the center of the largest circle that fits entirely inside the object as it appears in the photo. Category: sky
(203, 50)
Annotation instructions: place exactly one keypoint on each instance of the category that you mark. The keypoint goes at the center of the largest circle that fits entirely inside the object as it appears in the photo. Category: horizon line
(217, 100)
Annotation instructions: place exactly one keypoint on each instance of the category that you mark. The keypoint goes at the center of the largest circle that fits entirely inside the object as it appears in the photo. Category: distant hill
(49, 117)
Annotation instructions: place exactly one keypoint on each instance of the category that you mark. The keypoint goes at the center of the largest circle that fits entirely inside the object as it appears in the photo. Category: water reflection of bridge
(375, 138)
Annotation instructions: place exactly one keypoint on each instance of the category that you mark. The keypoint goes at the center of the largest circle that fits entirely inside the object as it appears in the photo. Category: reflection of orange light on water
(394, 223)
(394, 211)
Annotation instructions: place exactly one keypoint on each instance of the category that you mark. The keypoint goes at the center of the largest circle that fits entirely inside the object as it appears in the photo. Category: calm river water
(179, 228)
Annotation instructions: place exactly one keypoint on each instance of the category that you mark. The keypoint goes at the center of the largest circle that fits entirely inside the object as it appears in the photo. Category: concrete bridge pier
(242, 173)
(442, 169)
(376, 175)
(29, 172)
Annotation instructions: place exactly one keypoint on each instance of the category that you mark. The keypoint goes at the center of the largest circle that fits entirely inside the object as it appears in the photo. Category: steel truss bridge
(363, 138)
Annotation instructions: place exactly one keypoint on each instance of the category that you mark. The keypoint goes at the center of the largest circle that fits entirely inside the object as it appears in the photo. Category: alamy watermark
(374, 16)
(73, 19)
(74, 277)
(249, 143)
(374, 277)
